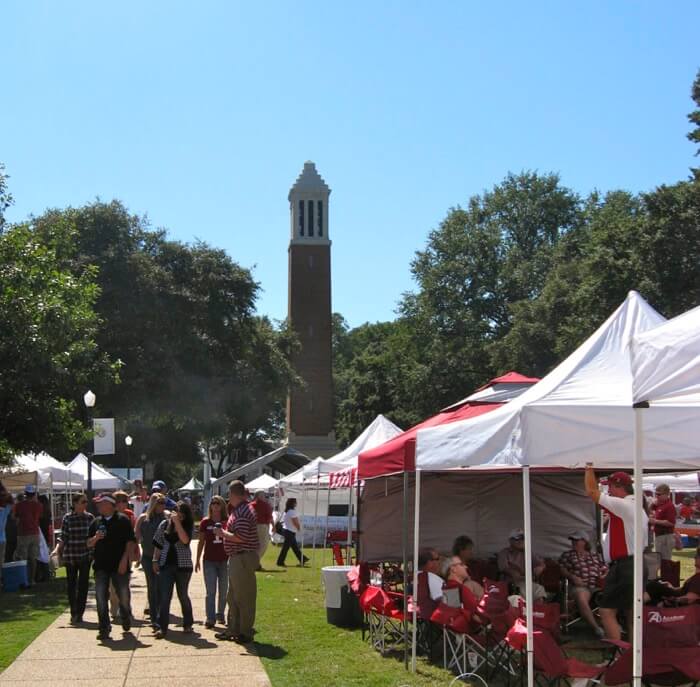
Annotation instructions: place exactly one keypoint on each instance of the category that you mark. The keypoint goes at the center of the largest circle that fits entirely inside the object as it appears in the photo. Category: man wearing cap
(583, 568)
(511, 564)
(28, 513)
(618, 547)
(112, 538)
(663, 520)
(159, 487)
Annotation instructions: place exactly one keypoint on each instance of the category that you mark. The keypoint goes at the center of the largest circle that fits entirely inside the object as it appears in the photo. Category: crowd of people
(151, 530)
(606, 576)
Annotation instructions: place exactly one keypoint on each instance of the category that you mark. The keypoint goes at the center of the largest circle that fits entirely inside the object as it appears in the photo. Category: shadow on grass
(45, 596)
(264, 650)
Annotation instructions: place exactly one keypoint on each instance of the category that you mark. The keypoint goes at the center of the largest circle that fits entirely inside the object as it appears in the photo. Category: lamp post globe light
(89, 399)
(128, 441)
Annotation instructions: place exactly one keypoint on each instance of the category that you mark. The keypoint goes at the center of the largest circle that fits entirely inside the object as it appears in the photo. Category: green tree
(694, 119)
(5, 196)
(48, 348)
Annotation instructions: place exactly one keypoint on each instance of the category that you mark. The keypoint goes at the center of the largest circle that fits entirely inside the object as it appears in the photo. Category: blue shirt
(4, 514)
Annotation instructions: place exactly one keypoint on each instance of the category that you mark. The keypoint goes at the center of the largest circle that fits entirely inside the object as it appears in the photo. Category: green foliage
(48, 340)
(5, 196)
(694, 119)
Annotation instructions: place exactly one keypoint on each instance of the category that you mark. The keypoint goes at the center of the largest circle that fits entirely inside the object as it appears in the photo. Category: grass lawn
(25, 614)
(300, 649)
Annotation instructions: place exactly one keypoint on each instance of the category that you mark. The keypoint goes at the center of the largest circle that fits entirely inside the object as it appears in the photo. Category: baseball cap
(517, 533)
(578, 534)
(620, 478)
(104, 497)
(30, 489)
(158, 485)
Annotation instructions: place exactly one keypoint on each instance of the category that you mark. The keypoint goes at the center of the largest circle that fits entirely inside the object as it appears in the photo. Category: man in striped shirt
(241, 545)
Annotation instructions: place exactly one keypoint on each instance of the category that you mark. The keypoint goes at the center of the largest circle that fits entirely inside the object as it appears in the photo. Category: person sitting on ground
(689, 591)
(462, 548)
(511, 564)
(584, 569)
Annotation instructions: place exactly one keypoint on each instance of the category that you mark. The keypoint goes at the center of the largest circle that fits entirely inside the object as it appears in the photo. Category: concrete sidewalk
(64, 656)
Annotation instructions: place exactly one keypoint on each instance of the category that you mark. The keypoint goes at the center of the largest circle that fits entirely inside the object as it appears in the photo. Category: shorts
(618, 591)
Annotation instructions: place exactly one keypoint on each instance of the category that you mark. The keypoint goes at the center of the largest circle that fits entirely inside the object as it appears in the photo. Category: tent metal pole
(416, 544)
(404, 542)
(357, 516)
(325, 531)
(318, 488)
(527, 522)
(637, 627)
(348, 546)
(301, 519)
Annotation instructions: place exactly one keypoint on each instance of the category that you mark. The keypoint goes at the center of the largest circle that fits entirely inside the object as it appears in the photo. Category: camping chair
(427, 633)
(358, 581)
(385, 618)
(338, 555)
(671, 572)
(550, 578)
(671, 654)
(569, 608)
(552, 667)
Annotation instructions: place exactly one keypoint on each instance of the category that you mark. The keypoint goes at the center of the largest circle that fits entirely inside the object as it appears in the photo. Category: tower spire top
(309, 181)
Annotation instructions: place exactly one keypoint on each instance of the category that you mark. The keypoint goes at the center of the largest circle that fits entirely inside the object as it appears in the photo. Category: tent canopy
(684, 482)
(398, 454)
(193, 485)
(63, 477)
(580, 412)
(101, 478)
(262, 483)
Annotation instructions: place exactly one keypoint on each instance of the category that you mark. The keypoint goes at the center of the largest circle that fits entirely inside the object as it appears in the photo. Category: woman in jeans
(146, 527)
(215, 561)
(290, 527)
(172, 562)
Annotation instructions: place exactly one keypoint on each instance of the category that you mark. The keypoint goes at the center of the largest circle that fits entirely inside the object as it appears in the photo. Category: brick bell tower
(310, 410)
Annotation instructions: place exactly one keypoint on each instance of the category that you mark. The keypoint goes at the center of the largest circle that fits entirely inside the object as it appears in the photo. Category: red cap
(620, 478)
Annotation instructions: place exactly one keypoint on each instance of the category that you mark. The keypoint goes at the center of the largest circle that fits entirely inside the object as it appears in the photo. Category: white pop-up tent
(581, 412)
(64, 479)
(262, 483)
(193, 485)
(677, 482)
(102, 480)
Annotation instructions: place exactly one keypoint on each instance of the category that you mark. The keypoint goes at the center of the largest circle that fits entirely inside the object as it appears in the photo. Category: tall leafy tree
(5, 195)
(694, 119)
(48, 349)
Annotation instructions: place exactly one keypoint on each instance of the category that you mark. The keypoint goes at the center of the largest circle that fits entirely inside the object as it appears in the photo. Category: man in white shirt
(618, 547)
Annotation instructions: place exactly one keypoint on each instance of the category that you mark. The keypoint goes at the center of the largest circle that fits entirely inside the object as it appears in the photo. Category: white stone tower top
(308, 205)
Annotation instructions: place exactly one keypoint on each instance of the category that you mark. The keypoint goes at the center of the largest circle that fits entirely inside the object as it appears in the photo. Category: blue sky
(201, 115)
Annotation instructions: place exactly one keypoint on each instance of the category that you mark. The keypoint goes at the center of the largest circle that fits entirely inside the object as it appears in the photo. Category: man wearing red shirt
(618, 549)
(28, 513)
(663, 519)
(263, 513)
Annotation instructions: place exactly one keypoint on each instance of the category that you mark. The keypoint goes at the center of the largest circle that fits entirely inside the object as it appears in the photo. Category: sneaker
(209, 624)
(159, 634)
(103, 635)
(225, 636)
(242, 639)
(187, 629)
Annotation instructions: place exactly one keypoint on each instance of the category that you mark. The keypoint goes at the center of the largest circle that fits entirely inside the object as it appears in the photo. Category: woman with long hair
(290, 527)
(215, 560)
(172, 562)
(146, 526)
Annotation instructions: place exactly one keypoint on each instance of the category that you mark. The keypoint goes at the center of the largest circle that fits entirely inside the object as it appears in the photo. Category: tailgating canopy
(262, 483)
(193, 485)
(63, 477)
(683, 482)
(102, 480)
(580, 412)
(398, 454)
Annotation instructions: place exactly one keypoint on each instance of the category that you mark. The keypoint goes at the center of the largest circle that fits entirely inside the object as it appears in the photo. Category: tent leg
(301, 519)
(527, 522)
(349, 540)
(404, 543)
(637, 632)
(416, 544)
(325, 531)
(318, 486)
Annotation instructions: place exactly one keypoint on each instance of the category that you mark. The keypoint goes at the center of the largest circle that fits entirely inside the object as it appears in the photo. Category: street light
(128, 441)
(89, 399)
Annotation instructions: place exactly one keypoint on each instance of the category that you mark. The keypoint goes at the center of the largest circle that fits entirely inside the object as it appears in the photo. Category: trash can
(342, 606)
(14, 576)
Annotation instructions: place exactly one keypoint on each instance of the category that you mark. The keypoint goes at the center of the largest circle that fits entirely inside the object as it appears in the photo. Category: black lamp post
(89, 399)
(128, 441)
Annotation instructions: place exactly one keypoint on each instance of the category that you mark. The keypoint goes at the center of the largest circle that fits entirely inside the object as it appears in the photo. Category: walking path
(65, 656)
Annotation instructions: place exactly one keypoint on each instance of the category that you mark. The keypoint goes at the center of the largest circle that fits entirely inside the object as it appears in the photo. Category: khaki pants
(263, 539)
(663, 544)
(242, 592)
(28, 550)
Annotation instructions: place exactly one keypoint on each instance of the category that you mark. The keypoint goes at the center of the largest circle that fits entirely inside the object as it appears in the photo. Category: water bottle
(102, 528)
(217, 538)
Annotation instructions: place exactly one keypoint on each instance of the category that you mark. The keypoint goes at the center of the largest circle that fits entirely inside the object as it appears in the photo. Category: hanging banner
(104, 436)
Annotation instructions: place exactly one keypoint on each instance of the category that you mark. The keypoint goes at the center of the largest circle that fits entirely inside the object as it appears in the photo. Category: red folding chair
(671, 572)
(552, 666)
(385, 618)
(671, 649)
(338, 555)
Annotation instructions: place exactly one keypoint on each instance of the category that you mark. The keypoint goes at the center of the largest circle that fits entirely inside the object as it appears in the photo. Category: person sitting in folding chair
(583, 568)
(688, 592)
(455, 570)
(511, 564)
